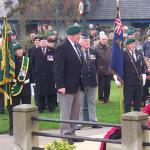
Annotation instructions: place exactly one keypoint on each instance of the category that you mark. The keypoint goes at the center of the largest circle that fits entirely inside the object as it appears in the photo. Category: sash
(134, 66)
(17, 85)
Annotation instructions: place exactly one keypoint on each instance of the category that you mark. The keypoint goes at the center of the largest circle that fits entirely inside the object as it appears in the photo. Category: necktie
(87, 55)
(44, 50)
(133, 55)
(78, 52)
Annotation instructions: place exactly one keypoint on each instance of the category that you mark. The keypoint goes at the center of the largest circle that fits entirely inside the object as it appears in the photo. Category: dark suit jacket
(89, 69)
(130, 75)
(30, 53)
(67, 68)
(42, 68)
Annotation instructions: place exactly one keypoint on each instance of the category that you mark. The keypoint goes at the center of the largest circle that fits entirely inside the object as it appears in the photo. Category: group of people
(69, 71)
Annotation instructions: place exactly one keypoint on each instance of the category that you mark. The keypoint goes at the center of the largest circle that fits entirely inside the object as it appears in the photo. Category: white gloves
(144, 79)
(33, 84)
(117, 82)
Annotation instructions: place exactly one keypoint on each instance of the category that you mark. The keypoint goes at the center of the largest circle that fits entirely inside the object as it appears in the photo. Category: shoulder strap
(24, 69)
(132, 61)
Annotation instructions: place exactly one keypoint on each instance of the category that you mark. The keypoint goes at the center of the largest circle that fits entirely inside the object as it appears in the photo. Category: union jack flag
(118, 25)
(117, 49)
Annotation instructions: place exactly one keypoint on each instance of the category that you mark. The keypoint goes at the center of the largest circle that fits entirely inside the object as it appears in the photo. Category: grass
(105, 113)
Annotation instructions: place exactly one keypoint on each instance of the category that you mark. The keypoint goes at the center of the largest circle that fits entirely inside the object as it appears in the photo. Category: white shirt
(73, 45)
(133, 54)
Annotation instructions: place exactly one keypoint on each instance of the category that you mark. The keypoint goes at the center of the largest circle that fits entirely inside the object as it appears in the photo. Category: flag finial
(117, 3)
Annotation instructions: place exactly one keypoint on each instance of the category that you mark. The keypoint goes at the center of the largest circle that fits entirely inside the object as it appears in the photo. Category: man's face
(32, 36)
(37, 42)
(50, 28)
(13, 37)
(19, 52)
(85, 43)
(111, 35)
(92, 32)
(44, 28)
(131, 36)
(103, 40)
(131, 46)
(76, 37)
(39, 27)
(43, 43)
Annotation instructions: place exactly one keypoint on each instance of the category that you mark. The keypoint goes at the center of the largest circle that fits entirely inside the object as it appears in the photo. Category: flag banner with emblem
(7, 67)
(117, 48)
(7, 63)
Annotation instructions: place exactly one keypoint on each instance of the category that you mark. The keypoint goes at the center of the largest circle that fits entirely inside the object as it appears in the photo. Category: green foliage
(25, 41)
(59, 145)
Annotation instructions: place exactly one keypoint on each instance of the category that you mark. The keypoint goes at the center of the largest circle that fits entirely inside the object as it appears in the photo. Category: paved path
(6, 141)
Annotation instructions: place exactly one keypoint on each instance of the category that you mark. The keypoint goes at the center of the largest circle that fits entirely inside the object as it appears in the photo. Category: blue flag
(117, 49)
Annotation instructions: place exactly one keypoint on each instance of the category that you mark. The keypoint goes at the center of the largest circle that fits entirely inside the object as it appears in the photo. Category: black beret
(12, 34)
(85, 36)
(37, 37)
(43, 38)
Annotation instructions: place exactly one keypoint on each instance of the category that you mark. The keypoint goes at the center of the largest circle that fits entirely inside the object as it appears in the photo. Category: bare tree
(44, 10)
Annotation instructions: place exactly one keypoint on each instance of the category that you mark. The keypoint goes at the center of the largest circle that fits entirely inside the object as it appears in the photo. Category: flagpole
(121, 99)
(117, 3)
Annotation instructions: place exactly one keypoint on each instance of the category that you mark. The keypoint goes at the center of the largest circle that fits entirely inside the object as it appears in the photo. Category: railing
(75, 122)
(133, 129)
(75, 137)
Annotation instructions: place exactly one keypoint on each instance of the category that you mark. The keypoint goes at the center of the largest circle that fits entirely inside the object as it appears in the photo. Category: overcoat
(42, 68)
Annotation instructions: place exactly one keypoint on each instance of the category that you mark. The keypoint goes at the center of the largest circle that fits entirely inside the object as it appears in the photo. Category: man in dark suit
(42, 68)
(30, 52)
(67, 74)
(134, 76)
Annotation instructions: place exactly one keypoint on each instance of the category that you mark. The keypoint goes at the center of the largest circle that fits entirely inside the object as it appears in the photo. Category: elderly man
(134, 76)
(67, 75)
(88, 79)
(103, 69)
(42, 69)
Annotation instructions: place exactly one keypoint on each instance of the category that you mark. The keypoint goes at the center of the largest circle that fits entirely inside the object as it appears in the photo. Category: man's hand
(144, 79)
(117, 82)
(62, 90)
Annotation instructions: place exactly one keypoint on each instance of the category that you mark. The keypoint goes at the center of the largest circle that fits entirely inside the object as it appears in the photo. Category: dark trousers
(104, 83)
(17, 100)
(2, 105)
(51, 102)
(132, 96)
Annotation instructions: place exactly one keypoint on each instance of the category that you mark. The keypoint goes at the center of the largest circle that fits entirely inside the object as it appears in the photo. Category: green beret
(73, 29)
(130, 32)
(50, 33)
(129, 41)
(17, 46)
